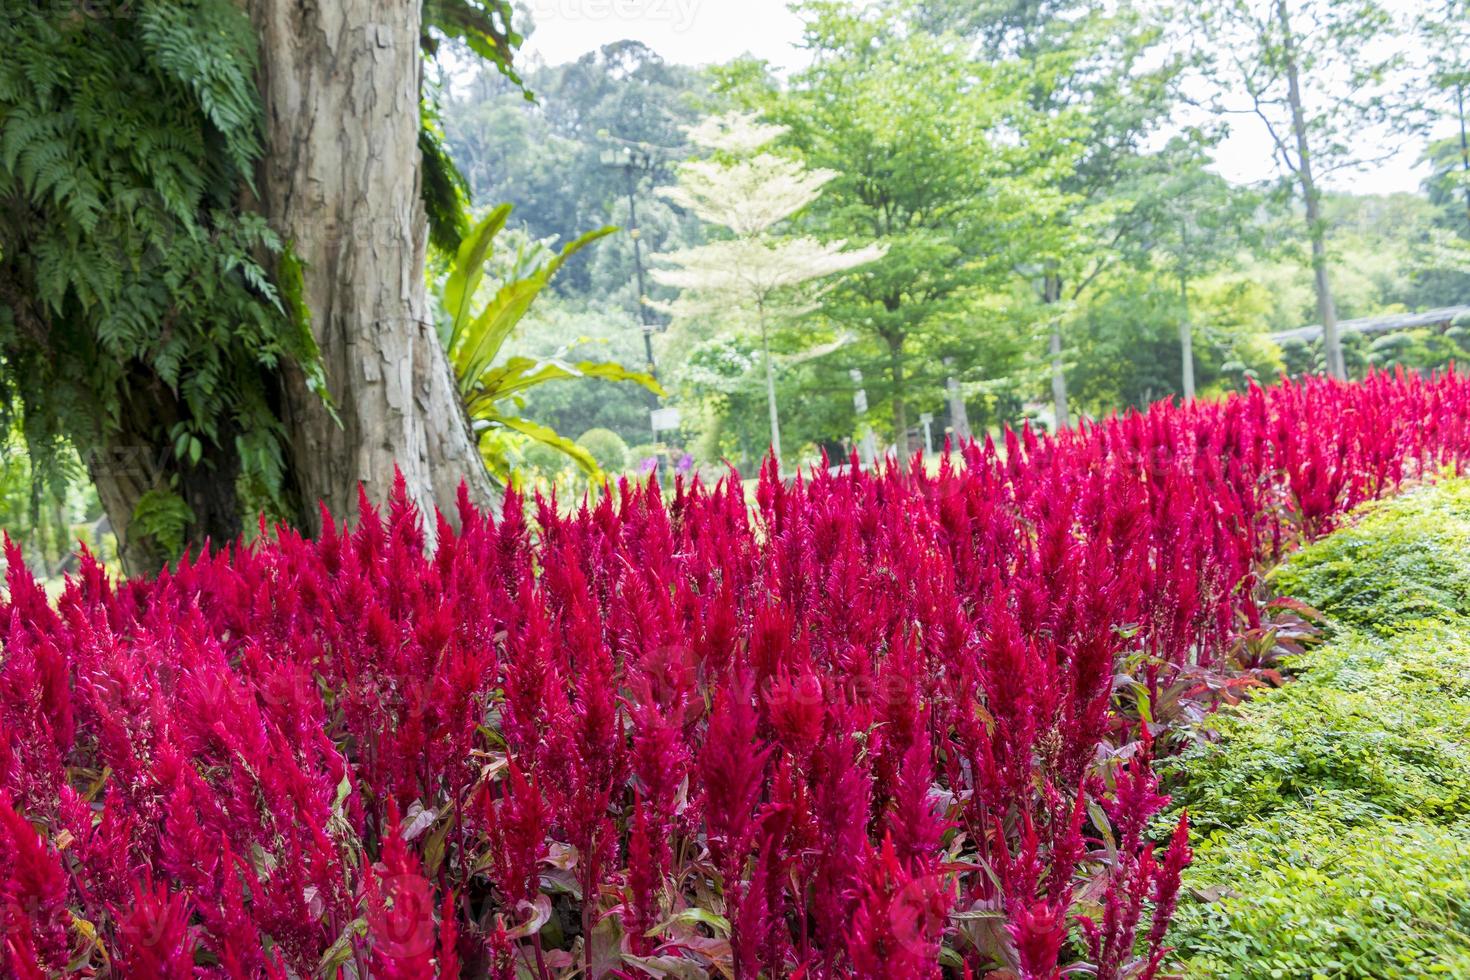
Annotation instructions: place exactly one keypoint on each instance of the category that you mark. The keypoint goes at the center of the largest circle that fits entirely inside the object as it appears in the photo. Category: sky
(695, 32)
(702, 32)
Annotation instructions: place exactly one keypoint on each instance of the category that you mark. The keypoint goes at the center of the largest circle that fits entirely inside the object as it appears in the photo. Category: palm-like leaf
(496, 462)
(474, 340)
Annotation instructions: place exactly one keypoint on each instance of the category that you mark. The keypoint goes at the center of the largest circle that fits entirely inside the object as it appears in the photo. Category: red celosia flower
(32, 892)
(153, 937)
(775, 713)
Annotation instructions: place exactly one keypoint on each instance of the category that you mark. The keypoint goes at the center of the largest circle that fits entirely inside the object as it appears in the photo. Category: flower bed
(878, 726)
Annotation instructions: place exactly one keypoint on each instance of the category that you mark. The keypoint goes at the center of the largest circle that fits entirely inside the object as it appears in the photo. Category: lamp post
(635, 160)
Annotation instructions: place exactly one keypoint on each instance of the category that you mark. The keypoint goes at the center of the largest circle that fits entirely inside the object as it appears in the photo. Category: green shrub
(1308, 899)
(1379, 724)
(544, 460)
(608, 448)
(1404, 559)
(1332, 815)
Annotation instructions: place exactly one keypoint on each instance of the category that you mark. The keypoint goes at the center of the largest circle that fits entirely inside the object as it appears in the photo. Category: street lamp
(636, 160)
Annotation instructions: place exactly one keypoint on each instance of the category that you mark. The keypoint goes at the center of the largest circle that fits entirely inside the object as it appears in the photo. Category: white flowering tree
(758, 271)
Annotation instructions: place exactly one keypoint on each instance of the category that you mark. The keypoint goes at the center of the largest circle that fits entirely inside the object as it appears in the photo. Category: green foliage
(483, 26)
(1126, 347)
(475, 333)
(165, 517)
(1375, 727)
(1333, 814)
(132, 292)
(1404, 559)
(46, 516)
(1307, 898)
(557, 325)
(547, 157)
(922, 136)
(607, 448)
(445, 192)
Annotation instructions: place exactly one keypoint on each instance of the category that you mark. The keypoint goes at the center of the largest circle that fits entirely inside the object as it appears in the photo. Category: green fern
(127, 268)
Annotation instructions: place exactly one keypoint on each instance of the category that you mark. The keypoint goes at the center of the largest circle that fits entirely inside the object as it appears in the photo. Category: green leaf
(468, 270)
(693, 916)
(550, 437)
(475, 343)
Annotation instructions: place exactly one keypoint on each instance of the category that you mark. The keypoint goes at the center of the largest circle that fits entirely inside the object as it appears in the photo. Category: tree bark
(1464, 142)
(900, 401)
(339, 181)
(1186, 340)
(959, 416)
(137, 458)
(122, 478)
(770, 388)
(1051, 295)
(1312, 195)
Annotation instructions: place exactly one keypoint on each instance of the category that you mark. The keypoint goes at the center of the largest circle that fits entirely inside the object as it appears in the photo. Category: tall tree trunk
(959, 416)
(1051, 295)
(339, 182)
(1186, 340)
(122, 475)
(900, 400)
(138, 458)
(1464, 142)
(770, 388)
(1312, 195)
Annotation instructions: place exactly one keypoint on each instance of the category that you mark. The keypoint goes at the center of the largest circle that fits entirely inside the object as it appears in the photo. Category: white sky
(702, 32)
(694, 32)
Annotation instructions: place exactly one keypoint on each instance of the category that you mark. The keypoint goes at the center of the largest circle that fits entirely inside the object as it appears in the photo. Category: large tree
(765, 275)
(921, 137)
(1317, 77)
(340, 179)
(1195, 223)
(138, 316)
(1097, 90)
(1443, 29)
(547, 156)
(211, 263)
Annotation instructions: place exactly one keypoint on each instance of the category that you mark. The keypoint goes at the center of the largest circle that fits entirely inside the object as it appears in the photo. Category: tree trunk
(1464, 142)
(339, 182)
(1326, 308)
(900, 401)
(770, 389)
(122, 476)
(1186, 340)
(959, 416)
(138, 459)
(1051, 295)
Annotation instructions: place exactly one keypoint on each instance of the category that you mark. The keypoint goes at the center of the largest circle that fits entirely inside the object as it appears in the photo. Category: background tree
(1100, 69)
(1196, 224)
(749, 191)
(929, 169)
(139, 321)
(1096, 88)
(1443, 30)
(546, 156)
(1313, 75)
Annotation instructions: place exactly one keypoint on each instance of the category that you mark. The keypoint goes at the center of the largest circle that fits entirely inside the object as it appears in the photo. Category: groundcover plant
(876, 725)
(1331, 817)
